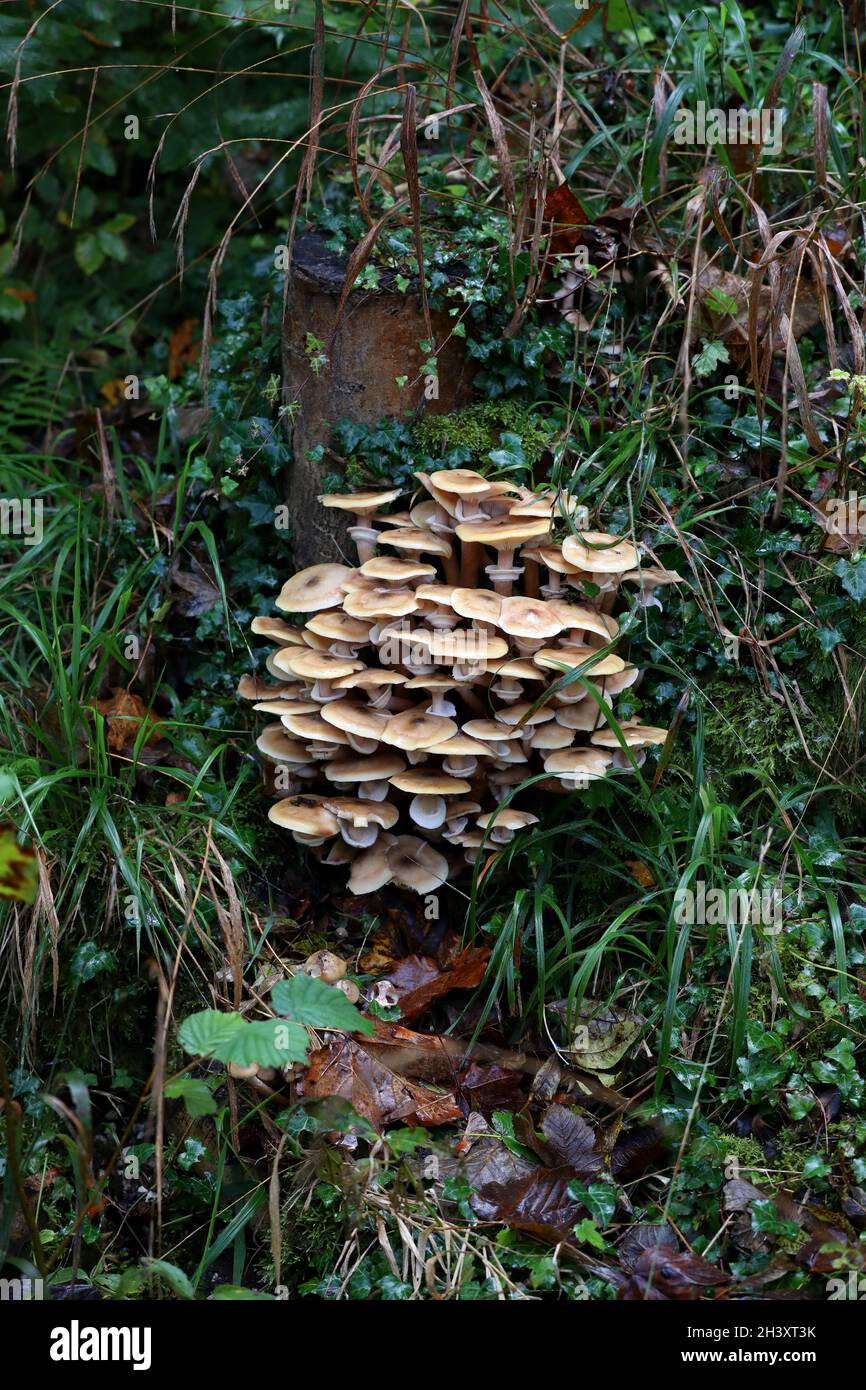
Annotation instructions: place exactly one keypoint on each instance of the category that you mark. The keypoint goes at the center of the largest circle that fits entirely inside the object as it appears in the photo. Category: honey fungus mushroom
(417, 691)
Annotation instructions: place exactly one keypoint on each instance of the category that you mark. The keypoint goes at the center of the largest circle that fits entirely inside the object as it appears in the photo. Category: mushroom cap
(577, 615)
(461, 746)
(362, 813)
(522, 712)
(422, 781)
(547, 504)
(518, 669)
(452, 644)
(429, 513)
(306, 815)
(463, 808)
(360, 502)
(296, 707)
(395, 570)
(413, 729)
(436, 681)
(313, 665)
(652, 575)
(277, 630)
(320, 586)
(583, 714)
(528, 617)
(553, 558)
(277, 706)
(381, 603)
(415, 864)
(374, 767)
(440, 594)
(354, 718)
(251, 688)
(369, 678)
(504, 532)
(599, 553)
(636, 735)
(370, 870)
(592, 762)
(338, 626)
(313, 728)
(490, 730)
(465, 482)
(275, 744)
(482, 605)
(415, 539)
(552, 658)
(506, 818)
(552, 735)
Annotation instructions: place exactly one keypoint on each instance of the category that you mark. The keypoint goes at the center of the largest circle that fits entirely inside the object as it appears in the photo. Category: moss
(480, 427)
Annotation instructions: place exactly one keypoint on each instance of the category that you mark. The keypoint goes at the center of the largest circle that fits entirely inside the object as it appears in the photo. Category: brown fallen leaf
(537, 1204)
(573, 1142)
(125, 713)
(419, 981)
(343, 1068)
(182, 351)
(491, 1088)
(641, 873)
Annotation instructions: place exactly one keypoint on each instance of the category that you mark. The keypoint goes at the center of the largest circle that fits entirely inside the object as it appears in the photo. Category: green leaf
(89, 255)
(195, 1094)
(587, 1232)
(599, 1198)
(234, 1291)
(709, 358)
(853, 578)
(209, 1033)
(177, 1281)
(229, 1038)
(89, 960)
(310, 1001)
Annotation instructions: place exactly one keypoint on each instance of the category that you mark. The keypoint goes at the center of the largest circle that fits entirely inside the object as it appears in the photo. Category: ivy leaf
(588, 1233)
(307, 1000)
(853, 576)
(89, 255)
(599, 1198)
(177, 1281)
(708, 359)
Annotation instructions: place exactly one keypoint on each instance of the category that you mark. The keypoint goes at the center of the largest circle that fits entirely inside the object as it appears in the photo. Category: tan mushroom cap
(503, 532)
(519, 669)
(547, 504)
(571, 762)
(490, 730)
(339, 626)
(461, 746)
(414, 539)
(251, 688)
(426, 782)
(440, 594)
(381, 603)
(276, 745)
(506, 818)
(552, 735)
(435, 681)
(652, 575)
(369, 678)
(308, 591)
(370, 870)
(372, 768)
(636, 735)
(293, 707)
(313, 728)
(305, 815)
(395, 570)
(463, 808)
(281, 706)
(600, 553)
(482, 605)
(523, 713)
(584, 715)
(427, 513)
(529, 617)
(362, 813)
(453, 645)
(465, 482)
(362, 503)
(277, 630)
(577, 615)
(553, 658)
(413, 729)
(415, 864)
(313, 665)
(354, 718)
(553, 558)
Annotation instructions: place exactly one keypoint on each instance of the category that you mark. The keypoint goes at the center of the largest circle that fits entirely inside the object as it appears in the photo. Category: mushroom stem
(531, 577)
(469, 563)
(504, 574)
(451, 569)
(427, 811)
(459, 766)
(439, 705)
(365, 537)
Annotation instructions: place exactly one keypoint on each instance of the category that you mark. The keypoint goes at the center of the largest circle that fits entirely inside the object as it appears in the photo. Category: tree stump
(376, 342)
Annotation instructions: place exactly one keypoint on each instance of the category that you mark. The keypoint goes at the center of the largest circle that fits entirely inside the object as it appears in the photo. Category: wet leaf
(19, 874)
(343, 1068)
(125, 713)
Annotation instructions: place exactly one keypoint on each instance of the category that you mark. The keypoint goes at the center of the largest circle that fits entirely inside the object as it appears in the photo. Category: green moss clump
(480, 427)
(746, 733)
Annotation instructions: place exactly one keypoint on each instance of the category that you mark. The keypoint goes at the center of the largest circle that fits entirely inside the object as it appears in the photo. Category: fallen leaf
(491, 1088)
(343, 1068)
(573, 1141)
(19, 877)
(125, 712)
(642, 875)
(419, 981)
(538, 1203)
(182, 351)
(599, 1035)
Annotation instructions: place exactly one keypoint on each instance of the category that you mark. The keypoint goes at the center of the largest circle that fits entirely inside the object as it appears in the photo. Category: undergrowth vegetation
(664, 1049)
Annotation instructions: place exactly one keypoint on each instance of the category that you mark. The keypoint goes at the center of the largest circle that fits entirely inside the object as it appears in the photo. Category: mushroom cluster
(416, 698)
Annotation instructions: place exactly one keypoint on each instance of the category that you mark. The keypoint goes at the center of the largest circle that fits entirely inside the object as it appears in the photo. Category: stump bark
(376, 342)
